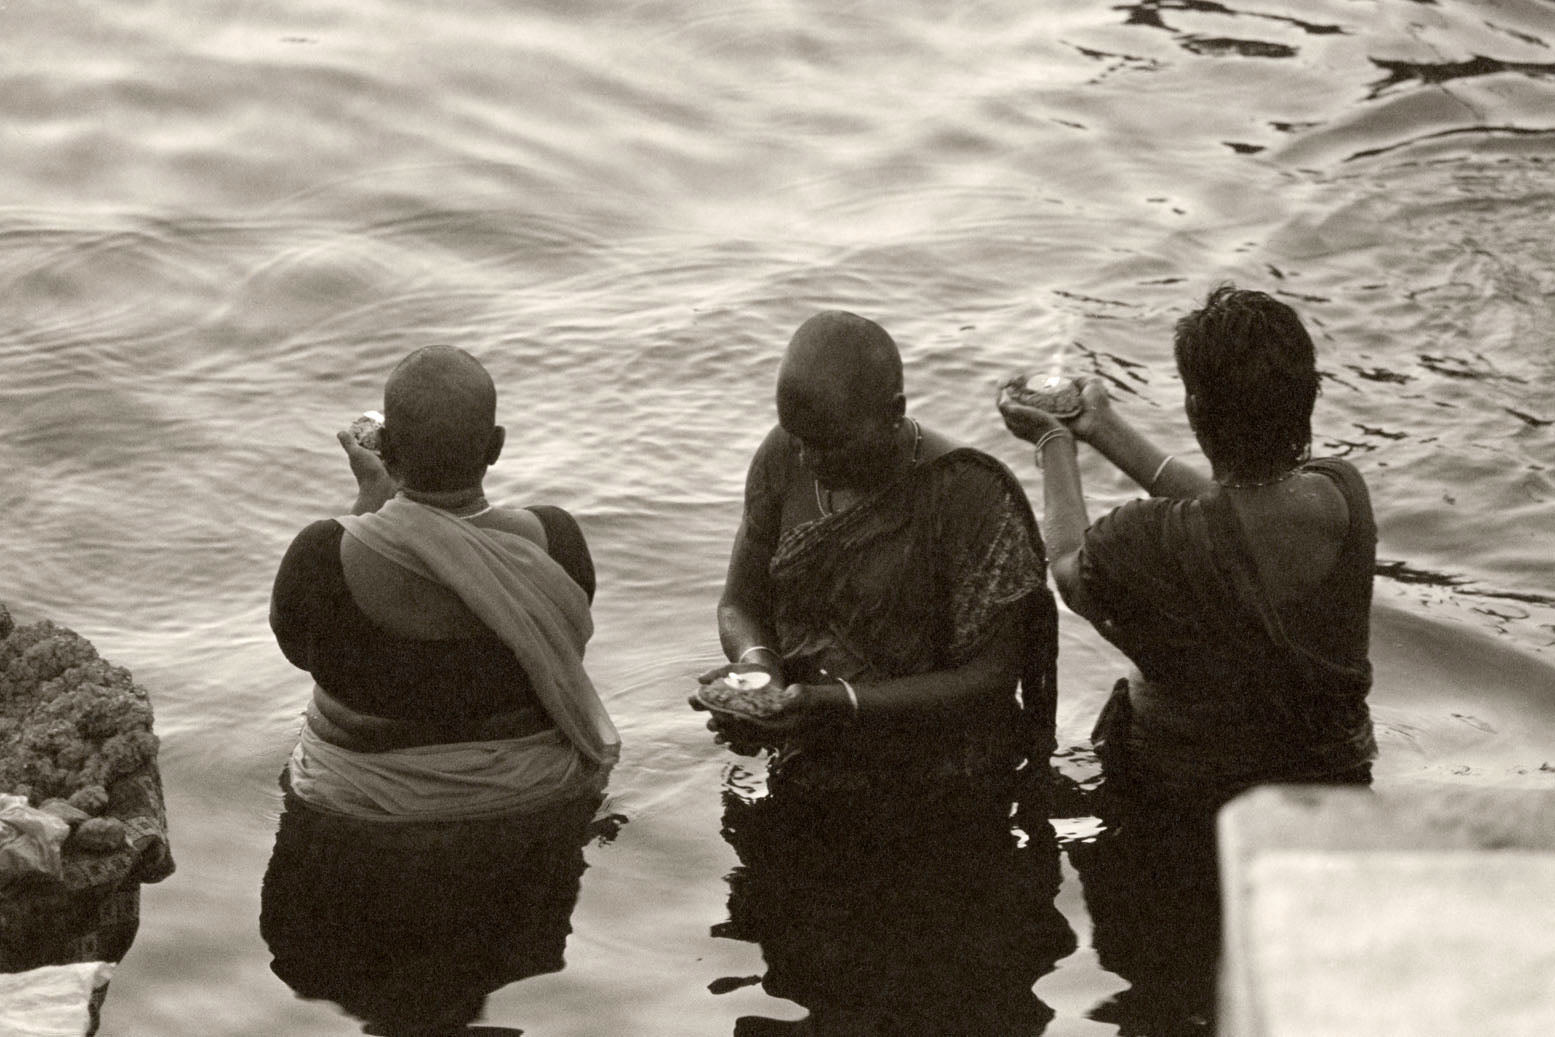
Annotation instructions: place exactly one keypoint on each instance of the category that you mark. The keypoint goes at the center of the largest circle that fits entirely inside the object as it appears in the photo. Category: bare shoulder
(936, 444)
(1296, 532)
(521, 521)
(1323, 504)
(1309, 507)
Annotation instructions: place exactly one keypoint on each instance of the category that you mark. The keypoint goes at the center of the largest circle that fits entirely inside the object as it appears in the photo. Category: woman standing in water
(1242, 598)
(454, 748)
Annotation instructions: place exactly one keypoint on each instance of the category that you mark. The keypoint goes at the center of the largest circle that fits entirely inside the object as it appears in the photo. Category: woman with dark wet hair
(1242, 597)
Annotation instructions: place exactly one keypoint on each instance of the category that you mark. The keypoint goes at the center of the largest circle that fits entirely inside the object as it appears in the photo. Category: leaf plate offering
(753, 695)
(1060, 397)
(366, 430)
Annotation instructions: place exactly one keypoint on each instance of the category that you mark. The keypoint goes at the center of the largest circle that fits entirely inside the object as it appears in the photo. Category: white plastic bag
(30, 841)
(52, 1001)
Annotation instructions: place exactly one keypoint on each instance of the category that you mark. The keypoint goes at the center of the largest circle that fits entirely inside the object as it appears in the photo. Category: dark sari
(912, 579)
(1237, 690)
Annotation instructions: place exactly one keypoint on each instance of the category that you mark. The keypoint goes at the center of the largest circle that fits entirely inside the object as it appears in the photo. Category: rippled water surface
(222, 223)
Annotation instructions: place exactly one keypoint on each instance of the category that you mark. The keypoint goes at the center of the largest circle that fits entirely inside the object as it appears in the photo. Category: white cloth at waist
(459, 781)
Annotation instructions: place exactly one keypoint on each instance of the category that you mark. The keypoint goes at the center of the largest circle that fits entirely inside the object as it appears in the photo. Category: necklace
(461, 504)
(824, 506)
(1251, 484)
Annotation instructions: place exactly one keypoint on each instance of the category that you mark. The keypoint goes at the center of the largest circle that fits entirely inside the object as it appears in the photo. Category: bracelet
(753, 648)
(1052, 433)
(1150, 486)
(852, 696)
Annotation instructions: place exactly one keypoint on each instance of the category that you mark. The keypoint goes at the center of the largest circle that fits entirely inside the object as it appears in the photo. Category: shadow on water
(922, 913)
(409, 926)
(1153, 896)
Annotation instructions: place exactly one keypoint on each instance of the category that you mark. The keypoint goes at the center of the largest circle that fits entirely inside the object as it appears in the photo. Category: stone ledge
(1422, 911)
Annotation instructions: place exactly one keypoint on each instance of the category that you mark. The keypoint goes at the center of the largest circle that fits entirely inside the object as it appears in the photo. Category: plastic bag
(53, 1001)
(30, 841)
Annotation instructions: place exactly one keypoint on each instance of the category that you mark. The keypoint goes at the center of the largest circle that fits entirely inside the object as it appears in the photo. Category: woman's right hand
(1096, 408)
(374, 484)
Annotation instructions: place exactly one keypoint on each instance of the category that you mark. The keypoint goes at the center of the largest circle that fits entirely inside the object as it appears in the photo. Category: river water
(222, 223)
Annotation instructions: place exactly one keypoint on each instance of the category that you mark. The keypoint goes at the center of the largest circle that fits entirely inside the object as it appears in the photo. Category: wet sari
(1233, 688)
(915, 578)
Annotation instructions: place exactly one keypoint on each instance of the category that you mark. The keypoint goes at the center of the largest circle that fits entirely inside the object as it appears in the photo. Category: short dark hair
(1252, 370)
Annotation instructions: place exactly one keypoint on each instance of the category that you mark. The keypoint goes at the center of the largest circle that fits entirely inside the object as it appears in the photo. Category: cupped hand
(748, 735)
(365, 465)
(743, 737)
(1024, 421)
(1096, 407)
(372, 478)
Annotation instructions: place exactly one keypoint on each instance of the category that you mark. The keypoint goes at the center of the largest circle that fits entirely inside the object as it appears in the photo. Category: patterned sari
(912, 579)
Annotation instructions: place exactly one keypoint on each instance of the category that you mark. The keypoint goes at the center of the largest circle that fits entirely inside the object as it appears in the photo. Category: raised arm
(1064, 519)
(374, 485)
(1109, 434)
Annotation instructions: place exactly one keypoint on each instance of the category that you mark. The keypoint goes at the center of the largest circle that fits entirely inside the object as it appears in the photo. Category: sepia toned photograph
(666, 518)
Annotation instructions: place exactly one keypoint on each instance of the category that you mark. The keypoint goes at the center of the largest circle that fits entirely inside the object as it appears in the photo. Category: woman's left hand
(806, 709)
(810, 705)
(1024, 422)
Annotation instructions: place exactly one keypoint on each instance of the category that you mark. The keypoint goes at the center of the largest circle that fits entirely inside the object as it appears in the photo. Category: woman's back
(1247, 617)
(1295, 531)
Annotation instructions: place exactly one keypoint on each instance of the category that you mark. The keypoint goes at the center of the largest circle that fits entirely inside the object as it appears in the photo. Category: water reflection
(924, 913)
(1153, 894)
(408, 926)
(1149, 13)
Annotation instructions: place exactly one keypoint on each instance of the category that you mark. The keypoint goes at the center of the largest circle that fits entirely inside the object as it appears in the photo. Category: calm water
(222, 223)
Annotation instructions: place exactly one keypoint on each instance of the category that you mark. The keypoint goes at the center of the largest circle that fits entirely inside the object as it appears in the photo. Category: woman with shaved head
(887, 576)
(428, 616)
(891, 583)
(451, 720)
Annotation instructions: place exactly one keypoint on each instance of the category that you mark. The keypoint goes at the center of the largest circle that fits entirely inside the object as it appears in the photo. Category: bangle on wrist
(1150, 486)
(1047, 437)
(852, 697)
(753, 648)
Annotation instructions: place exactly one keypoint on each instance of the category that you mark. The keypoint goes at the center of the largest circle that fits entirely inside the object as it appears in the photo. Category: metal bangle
(1150, 486)
(1052, 433)
(753, 648)
(852, 696)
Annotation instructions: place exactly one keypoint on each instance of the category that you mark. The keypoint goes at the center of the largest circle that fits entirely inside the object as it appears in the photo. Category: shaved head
(839, 394)
(439, 416)
(839, 360)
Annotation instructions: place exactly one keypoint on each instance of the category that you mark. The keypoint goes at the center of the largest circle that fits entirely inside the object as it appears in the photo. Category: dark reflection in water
(1215, 46)
(409, 926)
(1410, 73)
(1151, 881)
(1149, 13)
(1153, 894)
(913, 914)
